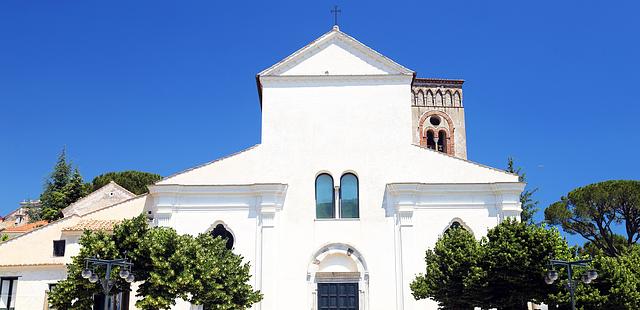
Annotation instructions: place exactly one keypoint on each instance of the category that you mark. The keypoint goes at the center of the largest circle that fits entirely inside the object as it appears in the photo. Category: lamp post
(107, 283)
(586, 278)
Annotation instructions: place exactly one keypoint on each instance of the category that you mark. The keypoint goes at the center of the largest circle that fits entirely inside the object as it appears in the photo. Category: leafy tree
(528, 204)
(594, 210)
(34, 213)
(516, 258)
(505, 270)
(452, 268)
(619, 280)
(61, 189)
(167, 266)
(210, 259)
(617, 286)
(134, 181)
(4, 237)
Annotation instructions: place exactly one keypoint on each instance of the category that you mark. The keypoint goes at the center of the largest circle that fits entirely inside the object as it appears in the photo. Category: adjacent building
(32, 263)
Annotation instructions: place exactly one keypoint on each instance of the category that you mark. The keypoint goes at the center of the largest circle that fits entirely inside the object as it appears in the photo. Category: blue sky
(161, 86)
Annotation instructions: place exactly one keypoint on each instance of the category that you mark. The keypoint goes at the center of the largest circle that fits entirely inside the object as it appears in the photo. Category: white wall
(33, 282)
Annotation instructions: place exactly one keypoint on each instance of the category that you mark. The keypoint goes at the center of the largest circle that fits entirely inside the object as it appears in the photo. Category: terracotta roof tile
(26, 227)
(93, 225)
(32, 264)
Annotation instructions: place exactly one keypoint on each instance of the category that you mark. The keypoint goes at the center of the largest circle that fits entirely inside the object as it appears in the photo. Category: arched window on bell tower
(442, 141)
(431, 142)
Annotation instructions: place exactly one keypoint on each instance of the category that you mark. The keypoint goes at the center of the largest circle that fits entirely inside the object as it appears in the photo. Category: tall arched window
(454, 225)
(325, 197)
(442, 141)
(431, 142)
(223, 233)
(349, 196)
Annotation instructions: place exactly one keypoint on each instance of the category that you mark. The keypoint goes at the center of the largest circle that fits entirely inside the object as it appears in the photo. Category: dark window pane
(58, 247)
(339, 296)
(223, 233)
(431, 142)
(325, 204)
(442, 141)
(349, 196)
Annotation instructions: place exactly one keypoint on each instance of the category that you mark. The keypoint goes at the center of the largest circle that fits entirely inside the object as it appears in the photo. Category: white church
(361, 168)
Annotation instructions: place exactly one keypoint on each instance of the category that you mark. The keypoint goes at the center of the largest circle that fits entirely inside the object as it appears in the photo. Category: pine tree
(61, 189)
(76, 188)
(529, 206)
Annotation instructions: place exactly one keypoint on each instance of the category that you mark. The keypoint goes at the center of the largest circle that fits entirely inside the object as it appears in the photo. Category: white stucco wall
(33, 283)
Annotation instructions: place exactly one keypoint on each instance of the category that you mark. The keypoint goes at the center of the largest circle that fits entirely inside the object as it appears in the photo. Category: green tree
(619, 280)
(4, 237)
(594, 210)
(167, 266)
(134, 181)
(62, 188)
(452, 272)
(210, 259)
(528, 204)
(75, 188)
(52, 198)
(516, 258)
(505, 270)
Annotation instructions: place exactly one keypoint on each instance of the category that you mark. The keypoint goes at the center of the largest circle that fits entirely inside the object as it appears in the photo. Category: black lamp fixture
(587, 277)
(106, 283)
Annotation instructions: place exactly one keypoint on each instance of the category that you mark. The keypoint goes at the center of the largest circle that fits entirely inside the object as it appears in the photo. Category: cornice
(404, 198)
(435, 82)
(240, 189)
(318, 80)
(452, 188)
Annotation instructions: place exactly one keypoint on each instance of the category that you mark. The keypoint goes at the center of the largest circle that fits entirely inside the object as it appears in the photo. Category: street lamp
(107, 283)
(586, 278)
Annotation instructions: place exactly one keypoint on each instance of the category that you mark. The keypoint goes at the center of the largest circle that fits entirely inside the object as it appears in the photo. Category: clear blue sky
(161, 86)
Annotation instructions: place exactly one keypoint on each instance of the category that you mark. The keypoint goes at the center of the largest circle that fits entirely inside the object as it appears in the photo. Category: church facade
(361, 167)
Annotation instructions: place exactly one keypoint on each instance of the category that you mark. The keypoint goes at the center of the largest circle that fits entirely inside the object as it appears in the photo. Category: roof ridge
(95, 192)
(344, 37)
(465, 160)
(209, 162)
(50, 224)
(60, 220)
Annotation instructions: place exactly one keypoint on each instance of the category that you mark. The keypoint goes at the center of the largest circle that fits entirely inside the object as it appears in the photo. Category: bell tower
(438, 116)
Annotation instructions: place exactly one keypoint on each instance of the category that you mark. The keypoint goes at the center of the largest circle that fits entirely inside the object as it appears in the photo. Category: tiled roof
(93, 225)
(32, 264)
(26, 227)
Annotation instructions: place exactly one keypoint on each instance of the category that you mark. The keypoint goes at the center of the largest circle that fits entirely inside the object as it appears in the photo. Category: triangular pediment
(335, 53)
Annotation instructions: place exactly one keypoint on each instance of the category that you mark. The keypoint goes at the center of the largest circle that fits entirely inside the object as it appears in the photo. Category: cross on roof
(335, 12)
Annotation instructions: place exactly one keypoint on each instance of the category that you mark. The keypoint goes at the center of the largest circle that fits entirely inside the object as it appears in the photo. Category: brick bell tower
(438, 116)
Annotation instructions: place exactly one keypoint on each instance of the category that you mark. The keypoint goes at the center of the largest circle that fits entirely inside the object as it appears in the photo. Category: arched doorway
(338, 278)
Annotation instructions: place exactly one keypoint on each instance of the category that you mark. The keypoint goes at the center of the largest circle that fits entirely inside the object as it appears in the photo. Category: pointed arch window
(222, 232)
(325, 197)
(349, 200)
